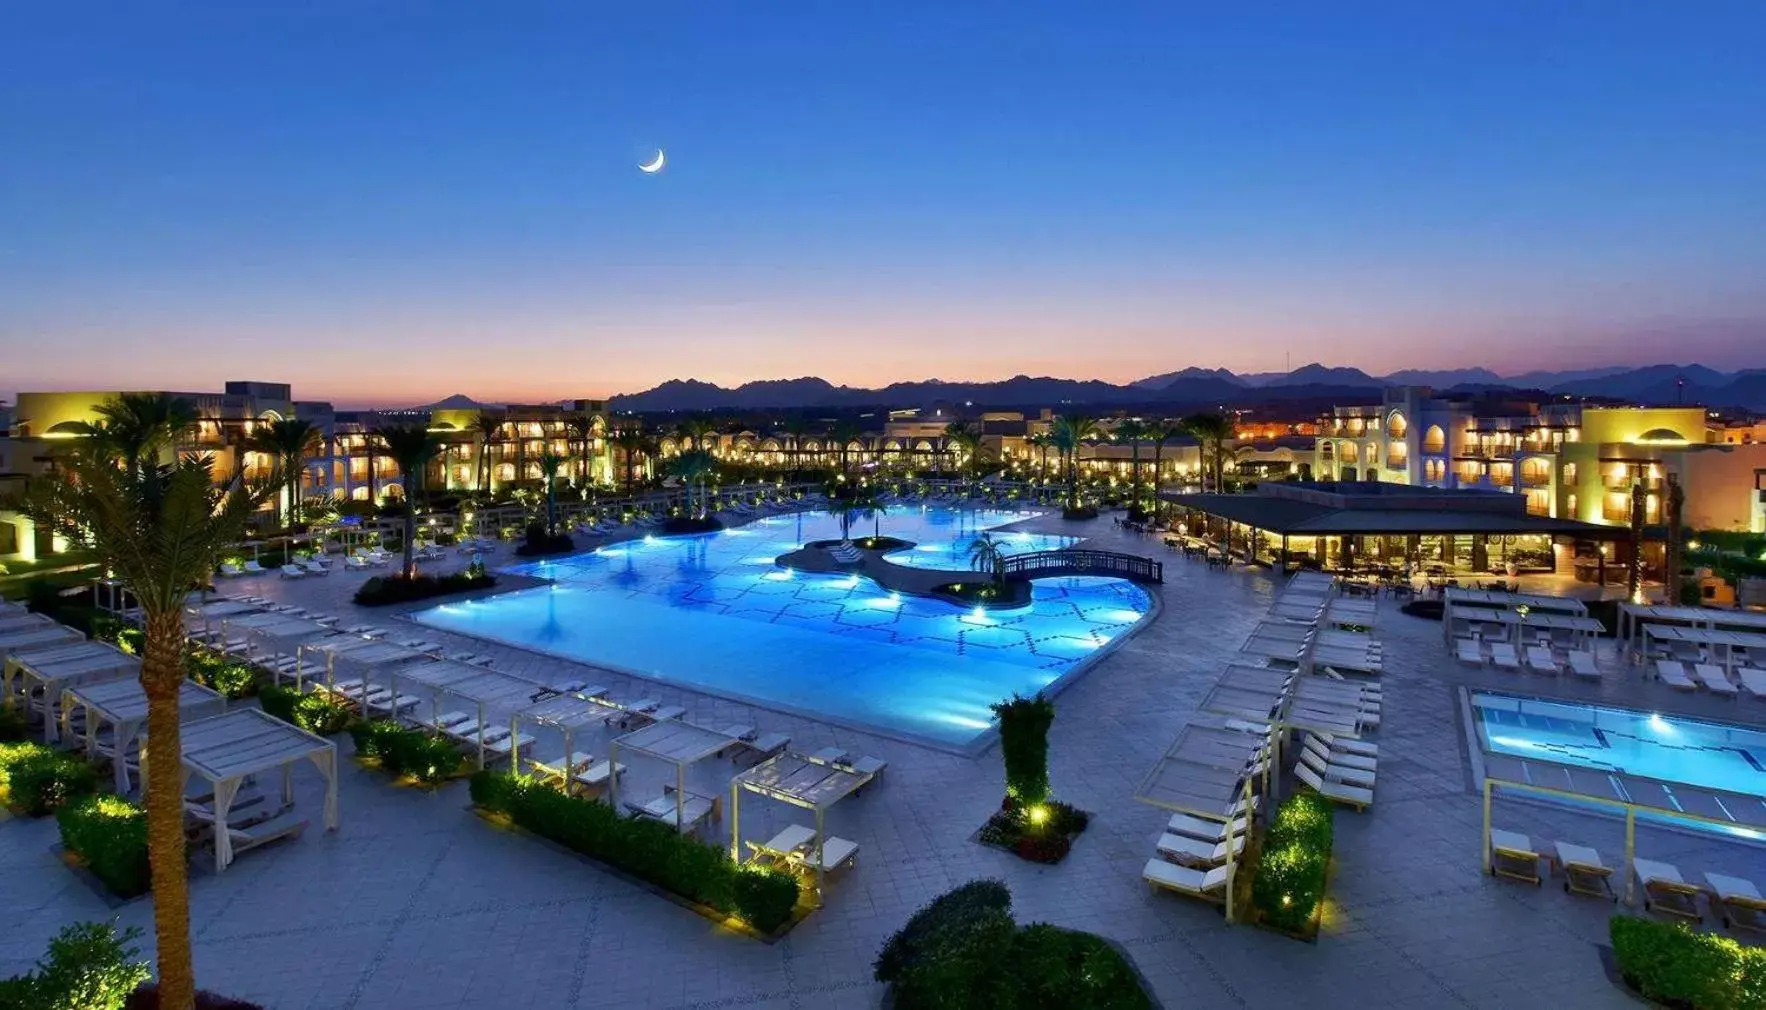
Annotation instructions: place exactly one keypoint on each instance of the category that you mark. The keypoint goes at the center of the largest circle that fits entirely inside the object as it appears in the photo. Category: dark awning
(1293, 517)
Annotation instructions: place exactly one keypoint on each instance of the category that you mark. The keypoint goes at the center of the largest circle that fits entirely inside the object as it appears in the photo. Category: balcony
(1535, 478)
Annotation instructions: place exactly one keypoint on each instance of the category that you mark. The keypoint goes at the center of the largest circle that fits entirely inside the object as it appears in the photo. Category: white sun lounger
(230, 570)
(1540, 660)
(1585, 872)
(1195, 883)
(1212, 832)
(1197, 852)
(1754, 681)
(253, 568)
(288, 825)
(293, 572)
(1582, 664)
(1665, 890)
(1345, 745)
(1674, 675)
(1714, 679)
(1738, 901)
(836, 852)
(556, 766)
(598, 774)
(1339, 792)
(1467, 650)
(1361, 762)
(1503, 655)
(1336, 772)
(1512, 855)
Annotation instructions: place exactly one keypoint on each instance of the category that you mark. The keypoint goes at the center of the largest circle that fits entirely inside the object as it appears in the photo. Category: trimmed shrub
(951, 909)
(109, 834)
(89, 967)
(278, 701)
(315, 713)
(963, 949)
(37, 780)
(1024, 743)
(1295, 863)
(218, 673)
(385, 590)
(1674, 964)
(648, 849)
(401, 751)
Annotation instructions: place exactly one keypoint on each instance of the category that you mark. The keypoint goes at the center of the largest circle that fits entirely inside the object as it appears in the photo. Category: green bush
(315, 713)
(1295, 862)
(1024, 743)
(648, 849)
(110, 834)
(963, 949)
(1676, 965)
(401, 751)
(37, 779)
(88, 968)
(278, 701)
(12, 725)
(219, 673)
(952, 908)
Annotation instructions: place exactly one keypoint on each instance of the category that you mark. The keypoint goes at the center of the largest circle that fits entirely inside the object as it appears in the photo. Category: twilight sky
(385, 203)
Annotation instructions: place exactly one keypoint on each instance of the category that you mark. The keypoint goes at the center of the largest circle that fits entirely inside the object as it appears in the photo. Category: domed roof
(1661, 435)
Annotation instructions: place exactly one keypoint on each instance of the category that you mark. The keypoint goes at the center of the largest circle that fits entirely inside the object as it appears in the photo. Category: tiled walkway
(415, 903)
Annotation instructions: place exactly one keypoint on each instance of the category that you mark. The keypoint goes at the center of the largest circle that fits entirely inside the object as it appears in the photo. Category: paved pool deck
(416, 903)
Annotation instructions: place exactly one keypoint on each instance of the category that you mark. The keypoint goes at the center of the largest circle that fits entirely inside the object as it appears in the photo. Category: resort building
(1567, 460)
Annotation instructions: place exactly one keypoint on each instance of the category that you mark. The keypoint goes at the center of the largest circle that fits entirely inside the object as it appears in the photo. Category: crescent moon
(655, 165)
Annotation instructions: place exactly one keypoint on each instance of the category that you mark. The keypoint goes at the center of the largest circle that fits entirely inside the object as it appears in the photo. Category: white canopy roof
(225, 749)
(123, 705)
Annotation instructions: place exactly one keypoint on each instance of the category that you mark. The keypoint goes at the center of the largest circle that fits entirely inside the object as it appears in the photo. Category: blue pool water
(1670, 748)
(715, 612)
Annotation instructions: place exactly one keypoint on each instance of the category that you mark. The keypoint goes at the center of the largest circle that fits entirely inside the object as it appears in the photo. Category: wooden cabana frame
(802, 782)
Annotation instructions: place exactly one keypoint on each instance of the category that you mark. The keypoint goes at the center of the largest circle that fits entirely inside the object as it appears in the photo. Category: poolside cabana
(227, 749)
(568, 715)
(351, 652)
(1634, 617)
(270, 642)
(680, 744)
(1205, 773)
(121, 705)
(1618, 792)
(1707, 638)
(808, 785)
(44, 674)
(37, 636)
(489, 693)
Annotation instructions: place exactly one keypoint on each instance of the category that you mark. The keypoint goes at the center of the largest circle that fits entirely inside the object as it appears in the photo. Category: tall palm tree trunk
(162, 676)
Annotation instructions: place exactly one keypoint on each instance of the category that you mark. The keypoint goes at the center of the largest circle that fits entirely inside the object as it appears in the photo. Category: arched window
(1347, 452)
(1396, 426)
(1434, 439)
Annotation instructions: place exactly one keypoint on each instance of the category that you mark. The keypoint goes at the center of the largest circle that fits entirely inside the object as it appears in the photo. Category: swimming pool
(1649, 744)
(952, 553)
(713, 612)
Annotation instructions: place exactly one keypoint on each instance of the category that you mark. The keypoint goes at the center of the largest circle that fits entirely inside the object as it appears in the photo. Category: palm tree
(842, 433)
(985, 555)
(631, 441)
(412, 446)
(964, 439)
(693, 467)
(289, 442)
(489, 429)
(1068, 433)
(1042, 440)
(138, 427)
(550, 464)
(849, 500)
(160, 528)
(1212, 430)
(1132, 431)
(1158, 432)
(582, 432)
(697, 431)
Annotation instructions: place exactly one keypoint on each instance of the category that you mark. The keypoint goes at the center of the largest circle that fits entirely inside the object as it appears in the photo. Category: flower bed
(701, 873)
(109, 835)
(1288, 888)
(35, 780)
(407, 753)
(964, 949)
(1681, 967)
(1040, 833)
(385, 590)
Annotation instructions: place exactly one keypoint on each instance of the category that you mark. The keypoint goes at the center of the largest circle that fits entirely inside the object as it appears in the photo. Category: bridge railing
(1080, 561)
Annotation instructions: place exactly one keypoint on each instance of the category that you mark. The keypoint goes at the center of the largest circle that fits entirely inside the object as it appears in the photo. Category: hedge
(963, 949)
(1024, 743)
(654, 851)
(315, 713)
(401, 751)
(110, 834)
(37, 779)
(219, 673)
(1295, 861)
(1674, 964)
(88, 968)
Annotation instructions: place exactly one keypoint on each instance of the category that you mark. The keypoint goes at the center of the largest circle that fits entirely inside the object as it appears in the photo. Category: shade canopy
(46, 673)
(795, 779)
(1461, 596)
(122, 706)
(227, 748)
(1203, 773)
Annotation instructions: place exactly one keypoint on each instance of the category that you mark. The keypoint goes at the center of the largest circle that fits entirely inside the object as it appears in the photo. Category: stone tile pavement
(415, 903)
